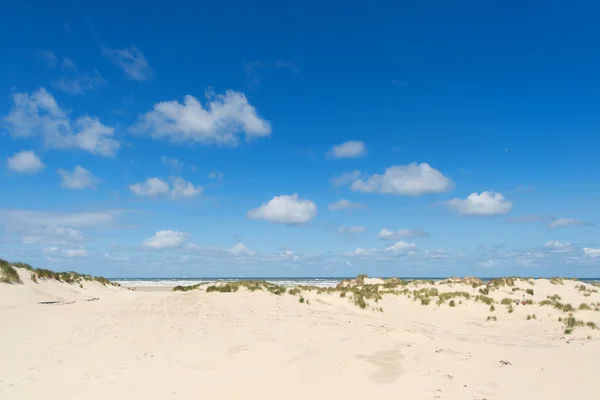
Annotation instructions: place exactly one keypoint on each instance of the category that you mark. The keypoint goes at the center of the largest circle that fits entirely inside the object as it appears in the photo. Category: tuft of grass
(510, 309)
(425, 301)
(584, 306)
(485, 299)
(301, 299)
(180, 288)
(294, 291)
(492, 318)
(452, 303)
(8, 274)
(529, 292)
(506, 301)
(451, 295)
(492, 308)
(556, 281)
(529, 317)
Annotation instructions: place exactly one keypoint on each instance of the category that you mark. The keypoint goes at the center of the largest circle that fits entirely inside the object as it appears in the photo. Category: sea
(319, 282)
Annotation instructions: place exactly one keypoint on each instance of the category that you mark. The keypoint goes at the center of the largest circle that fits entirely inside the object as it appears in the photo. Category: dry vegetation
(8, 274)
(365, 295)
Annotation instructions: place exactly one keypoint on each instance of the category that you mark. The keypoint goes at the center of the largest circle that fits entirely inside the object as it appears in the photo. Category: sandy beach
(93, 341)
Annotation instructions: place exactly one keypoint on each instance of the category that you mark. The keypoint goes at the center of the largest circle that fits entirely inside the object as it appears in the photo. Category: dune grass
(443, 297)
(8, 274)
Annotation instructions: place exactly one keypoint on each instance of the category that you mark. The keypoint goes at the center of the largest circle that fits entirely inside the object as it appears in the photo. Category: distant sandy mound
(20, 284)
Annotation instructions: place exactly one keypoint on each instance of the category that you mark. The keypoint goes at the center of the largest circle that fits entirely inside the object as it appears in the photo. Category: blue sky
(156, 139)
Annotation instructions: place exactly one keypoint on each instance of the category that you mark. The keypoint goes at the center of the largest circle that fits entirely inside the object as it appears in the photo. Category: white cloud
(52, 234)
(487, 263)
(45, 218)
(165, 240)
(218, 176)
(70, 253)
(564, 222)
(38, 114)
(67, 63)
(79, 84)
(592, 253)
(172, 163)
(401, 247)
(558, 247)
(152, 187)
(285, 209)
(408, 180)
(350, 149)
(436, 254)
(79, 178)
(344, 205)
(182, 188)
(224, 120)
(351, 229)
(155, 187)
(25, 161)
(240, 249)
(360, 252)
(484, 204)
(131, 60)
(288, 65)
(387, 234)
(345, 179)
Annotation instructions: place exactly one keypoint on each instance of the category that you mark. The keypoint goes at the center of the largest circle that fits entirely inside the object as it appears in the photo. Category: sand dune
(257, 344)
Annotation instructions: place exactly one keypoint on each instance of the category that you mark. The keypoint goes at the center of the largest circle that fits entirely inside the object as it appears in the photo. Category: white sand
(197, 345)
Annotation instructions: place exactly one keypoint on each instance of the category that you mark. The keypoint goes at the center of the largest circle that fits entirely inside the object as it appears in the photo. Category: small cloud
(173, 163)
(487, 263)
(436, 254)
(566, 222)
(131, 60)
(166, 239)
(344, 205)
(157, 187)
(406, 180)
(401, 247)
(345, 179)
(351, 230)
(38, 114)
(25, 162)
(591, 253)
(522, 219)
(555, 246)
(349, 149)
(216, 175)
(240, 249)
(484, 204)
(70, 253)
(80, 84)
(224, 120)
(285, 209)
(361, 252)
(387, 234)
(290, 65)
(398, 83)
(79, 178)
(67, 63)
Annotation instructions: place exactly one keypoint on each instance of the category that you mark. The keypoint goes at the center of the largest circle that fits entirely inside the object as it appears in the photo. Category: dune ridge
(459, 338)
